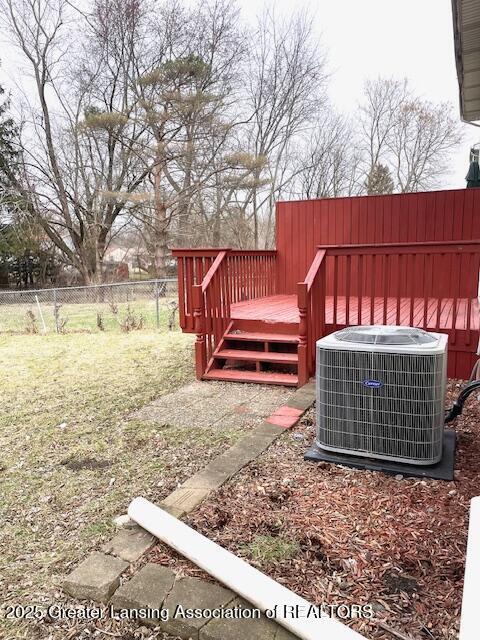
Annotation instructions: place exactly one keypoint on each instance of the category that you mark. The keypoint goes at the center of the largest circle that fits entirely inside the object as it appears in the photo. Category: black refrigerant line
(457, 407)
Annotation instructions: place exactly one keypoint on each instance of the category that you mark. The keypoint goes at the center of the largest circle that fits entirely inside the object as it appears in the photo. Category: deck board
(283, 308)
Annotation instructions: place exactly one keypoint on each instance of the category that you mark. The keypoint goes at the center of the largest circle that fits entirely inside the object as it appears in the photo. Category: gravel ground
(339, 535)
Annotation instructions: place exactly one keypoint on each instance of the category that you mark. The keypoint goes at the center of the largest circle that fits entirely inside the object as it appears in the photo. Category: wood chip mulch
(363, 537)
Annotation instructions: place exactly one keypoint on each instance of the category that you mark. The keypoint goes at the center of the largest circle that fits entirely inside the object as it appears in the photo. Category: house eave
(466, 31)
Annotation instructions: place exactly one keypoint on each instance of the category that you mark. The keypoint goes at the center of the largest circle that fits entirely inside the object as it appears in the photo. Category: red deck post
(199, 319)
(303, 373)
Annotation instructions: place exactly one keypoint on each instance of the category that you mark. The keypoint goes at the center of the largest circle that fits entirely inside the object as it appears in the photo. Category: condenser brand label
(372, 384)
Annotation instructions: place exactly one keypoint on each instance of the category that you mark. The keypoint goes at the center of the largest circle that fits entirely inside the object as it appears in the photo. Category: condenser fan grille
(385, 405)
(381, 334)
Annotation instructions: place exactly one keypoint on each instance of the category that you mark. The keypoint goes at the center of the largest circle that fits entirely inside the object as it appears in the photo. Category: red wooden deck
(269, 309)
(404, 259)
(412, 311)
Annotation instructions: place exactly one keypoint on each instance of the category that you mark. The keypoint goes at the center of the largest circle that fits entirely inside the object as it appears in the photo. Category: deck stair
(260, 356)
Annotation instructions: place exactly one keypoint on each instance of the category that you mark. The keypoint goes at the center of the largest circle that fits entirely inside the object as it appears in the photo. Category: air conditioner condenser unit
(381, 393)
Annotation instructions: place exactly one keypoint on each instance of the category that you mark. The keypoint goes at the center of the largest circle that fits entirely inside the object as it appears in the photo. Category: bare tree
(78, 143)
(378, 117)
(328, 164)
(421, 143)
(407, 136)
(286, 89)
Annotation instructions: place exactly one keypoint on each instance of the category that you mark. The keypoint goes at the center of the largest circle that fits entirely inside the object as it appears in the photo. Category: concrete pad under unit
(96, 578)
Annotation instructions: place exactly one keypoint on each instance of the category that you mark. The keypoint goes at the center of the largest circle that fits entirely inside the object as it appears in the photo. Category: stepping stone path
(155, 587)
(147, 589)
(130, 543)
(96, 578)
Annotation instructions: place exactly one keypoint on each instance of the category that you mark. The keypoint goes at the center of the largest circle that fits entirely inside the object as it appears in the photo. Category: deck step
(258, 356)
(237, 375)
(262, 337)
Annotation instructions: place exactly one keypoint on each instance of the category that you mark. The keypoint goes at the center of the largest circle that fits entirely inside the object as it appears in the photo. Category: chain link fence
(124, 306)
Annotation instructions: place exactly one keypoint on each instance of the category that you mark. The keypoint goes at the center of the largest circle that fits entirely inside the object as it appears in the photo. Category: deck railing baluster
(181, 293)
(455, 271)
(372, 285)
(399, 289)
(471, 268)
(335, 292)
(386, 287)
(411, 277)
(348, 259)
(427, 265)
(360, 288)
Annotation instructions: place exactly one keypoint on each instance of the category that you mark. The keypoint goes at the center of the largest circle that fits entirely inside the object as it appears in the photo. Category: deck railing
(311, 309)
(209, 281)
(252, 274)
(432, 285)
(192, 267)
(248, 274)
(211, 310)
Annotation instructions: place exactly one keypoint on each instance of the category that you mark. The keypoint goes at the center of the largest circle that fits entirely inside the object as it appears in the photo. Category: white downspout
(251, 584)
(471, 583)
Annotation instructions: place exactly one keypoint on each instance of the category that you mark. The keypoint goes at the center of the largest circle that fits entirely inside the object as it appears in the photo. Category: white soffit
(466, 26)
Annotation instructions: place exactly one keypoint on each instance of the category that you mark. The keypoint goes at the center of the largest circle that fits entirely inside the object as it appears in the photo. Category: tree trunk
(184, 235)
(161, 255)
(255, 212)
(216, 233)
(99, 254)
(160, 222)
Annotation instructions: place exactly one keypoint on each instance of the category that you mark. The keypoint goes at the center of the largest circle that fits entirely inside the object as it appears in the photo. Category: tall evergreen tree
(8, 148)
(379, 180)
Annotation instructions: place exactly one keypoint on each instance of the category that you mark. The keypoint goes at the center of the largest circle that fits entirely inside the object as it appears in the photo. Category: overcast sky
(367, 38)
(399, 38)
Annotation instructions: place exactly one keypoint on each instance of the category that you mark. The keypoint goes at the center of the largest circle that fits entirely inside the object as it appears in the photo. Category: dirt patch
(395, 583)
(91, 464)
(360, 537)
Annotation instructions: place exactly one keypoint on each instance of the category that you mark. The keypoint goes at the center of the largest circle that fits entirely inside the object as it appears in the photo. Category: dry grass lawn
(71, 460)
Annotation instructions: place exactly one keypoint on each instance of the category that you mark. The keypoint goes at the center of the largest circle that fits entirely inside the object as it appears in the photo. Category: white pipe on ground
(471, 583)
(251, 584)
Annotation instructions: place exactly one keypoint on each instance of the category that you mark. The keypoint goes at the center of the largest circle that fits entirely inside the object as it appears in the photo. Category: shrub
(131, 321)
(31, 326)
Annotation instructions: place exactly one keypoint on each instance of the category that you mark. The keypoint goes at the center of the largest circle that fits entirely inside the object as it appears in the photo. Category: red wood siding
(415, 217)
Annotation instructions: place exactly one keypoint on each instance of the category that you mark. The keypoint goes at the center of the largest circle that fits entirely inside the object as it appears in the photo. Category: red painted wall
(414, 217)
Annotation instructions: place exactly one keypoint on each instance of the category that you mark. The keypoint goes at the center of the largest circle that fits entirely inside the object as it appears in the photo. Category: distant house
(122, 262)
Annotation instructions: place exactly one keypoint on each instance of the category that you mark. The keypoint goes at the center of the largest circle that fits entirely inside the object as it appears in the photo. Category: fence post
(157, 304)
(55, 310)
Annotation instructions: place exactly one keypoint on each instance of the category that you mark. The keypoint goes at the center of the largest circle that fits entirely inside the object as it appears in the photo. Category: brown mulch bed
(362, 537)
